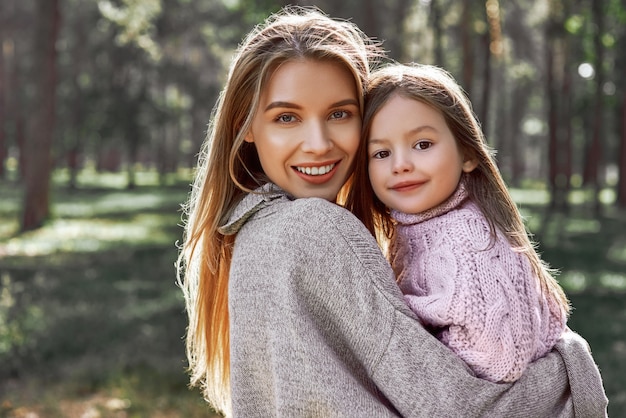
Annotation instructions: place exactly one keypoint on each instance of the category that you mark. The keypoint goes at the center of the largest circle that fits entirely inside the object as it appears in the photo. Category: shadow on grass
(590, 253)
(90, 312)
(94, 321)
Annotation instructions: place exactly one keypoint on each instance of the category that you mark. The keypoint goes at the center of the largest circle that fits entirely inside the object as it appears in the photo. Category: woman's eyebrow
(345, 102)
(276, 104)
(290, 105)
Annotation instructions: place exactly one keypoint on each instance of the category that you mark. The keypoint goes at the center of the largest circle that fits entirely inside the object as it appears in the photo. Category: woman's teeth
(316, 171)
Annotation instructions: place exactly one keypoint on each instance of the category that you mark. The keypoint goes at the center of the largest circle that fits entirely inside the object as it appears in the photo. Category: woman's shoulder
(315, 206)
(318, 217)
(270, 207)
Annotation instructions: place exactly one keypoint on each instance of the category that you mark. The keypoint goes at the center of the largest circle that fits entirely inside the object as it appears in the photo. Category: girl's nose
(317, 138)
(401, 163)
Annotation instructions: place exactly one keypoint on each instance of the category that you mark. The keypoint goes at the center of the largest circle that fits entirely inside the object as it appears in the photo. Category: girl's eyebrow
(290, 105)
(412, 132)
(420, 129)
(376, 141)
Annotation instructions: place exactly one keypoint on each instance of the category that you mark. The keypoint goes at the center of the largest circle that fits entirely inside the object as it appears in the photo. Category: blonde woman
(293, 309)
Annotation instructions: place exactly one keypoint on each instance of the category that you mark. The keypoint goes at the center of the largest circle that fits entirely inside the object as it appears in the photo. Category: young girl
(458, 244)
(293, 309)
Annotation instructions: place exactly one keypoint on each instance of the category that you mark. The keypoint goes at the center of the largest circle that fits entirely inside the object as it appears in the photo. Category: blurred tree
(556, 89)
(620, 64)
(515, 81)
(397, 44)
(467, 36)
(436, 14)
(76, 130)
(492, 46)
(15, 18)
(621, 183)
(38, 144)
(3, 144)
(137, 79)
(593, 161)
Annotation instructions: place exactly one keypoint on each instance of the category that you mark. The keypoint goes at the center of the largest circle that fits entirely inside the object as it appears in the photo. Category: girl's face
(307, 126)
(415, 163)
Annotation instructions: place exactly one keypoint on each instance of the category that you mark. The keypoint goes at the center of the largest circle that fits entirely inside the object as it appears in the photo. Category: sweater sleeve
(321, 322)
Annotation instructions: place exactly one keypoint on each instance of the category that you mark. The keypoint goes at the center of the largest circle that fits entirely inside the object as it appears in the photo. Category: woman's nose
(317, 138)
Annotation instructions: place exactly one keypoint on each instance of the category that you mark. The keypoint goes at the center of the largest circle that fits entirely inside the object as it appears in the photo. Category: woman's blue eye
(339, 114)
(286, 118)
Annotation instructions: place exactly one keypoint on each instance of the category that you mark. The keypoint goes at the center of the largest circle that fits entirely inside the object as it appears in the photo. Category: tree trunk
(3, 116)
(38, 169)
(565, 167)
(370, 22)
(467, 35)
(516, 110)
(435, 14)
(483, 112)
(78, 111)
(559, 144)
(620, 61)
(396, 43)
(594, 154)
(15, 107)
(553, 118)
(621, 185)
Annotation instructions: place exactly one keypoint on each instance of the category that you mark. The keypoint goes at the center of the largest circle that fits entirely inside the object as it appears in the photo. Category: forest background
(104, 104)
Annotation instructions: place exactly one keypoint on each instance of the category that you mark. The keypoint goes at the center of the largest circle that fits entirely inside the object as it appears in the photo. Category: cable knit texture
(478, 295)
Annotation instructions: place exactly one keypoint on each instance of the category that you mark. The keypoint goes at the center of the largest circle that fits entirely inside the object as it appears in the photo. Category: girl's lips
(316, 173)
(406, 186)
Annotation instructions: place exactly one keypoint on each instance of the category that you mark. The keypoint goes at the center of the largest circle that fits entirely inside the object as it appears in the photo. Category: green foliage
(574, 24)
(136, 22)
(255, 11)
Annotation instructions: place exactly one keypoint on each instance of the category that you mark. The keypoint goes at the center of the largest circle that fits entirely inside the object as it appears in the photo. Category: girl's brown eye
(381, 154)
(423, 145)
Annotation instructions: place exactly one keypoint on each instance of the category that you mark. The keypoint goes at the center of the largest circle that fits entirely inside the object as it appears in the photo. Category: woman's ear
(249, 137)
(469, 165)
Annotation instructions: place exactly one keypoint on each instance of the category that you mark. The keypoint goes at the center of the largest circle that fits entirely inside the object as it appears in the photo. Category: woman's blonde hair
(485, 186)
(229, 167)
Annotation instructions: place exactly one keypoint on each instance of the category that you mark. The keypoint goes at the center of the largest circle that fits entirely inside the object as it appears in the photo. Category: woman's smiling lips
(406, 186)
(317, 173)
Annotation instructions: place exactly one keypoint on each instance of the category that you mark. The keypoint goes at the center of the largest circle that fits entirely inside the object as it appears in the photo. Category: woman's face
(307, 127)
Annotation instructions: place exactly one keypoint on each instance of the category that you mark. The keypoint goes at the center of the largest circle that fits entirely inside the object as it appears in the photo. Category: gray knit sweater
(319, 328)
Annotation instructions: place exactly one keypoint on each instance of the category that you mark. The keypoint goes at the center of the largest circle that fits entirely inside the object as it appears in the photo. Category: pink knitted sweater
(479, 296)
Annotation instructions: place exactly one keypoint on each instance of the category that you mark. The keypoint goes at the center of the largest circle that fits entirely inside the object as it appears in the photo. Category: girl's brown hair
(485, 186)
(229, 167)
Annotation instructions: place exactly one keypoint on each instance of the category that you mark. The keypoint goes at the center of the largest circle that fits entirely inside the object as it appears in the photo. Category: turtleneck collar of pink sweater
(454, 201)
